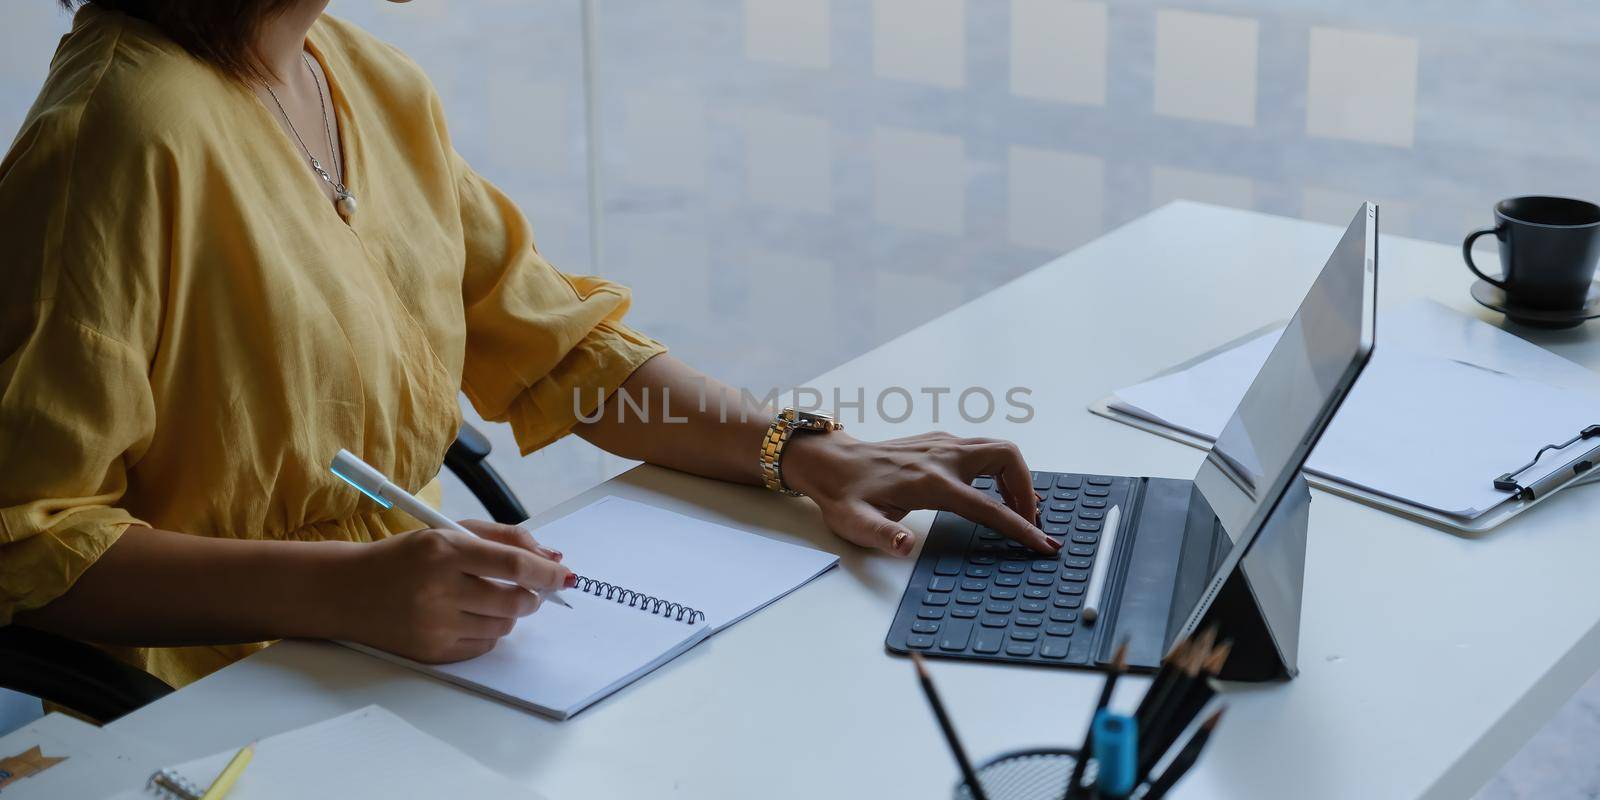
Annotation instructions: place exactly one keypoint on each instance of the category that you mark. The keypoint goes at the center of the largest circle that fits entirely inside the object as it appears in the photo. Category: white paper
(725, 573)
(561, 660)
(1447, 404)
(368, 753)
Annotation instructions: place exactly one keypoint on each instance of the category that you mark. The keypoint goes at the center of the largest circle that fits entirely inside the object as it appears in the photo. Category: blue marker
(1116, 751)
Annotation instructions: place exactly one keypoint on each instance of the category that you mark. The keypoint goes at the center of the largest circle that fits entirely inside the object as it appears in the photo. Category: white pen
(374, 484)
(1094, 591)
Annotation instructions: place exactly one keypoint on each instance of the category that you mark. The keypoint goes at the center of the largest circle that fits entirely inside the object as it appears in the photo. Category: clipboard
(1582, 464)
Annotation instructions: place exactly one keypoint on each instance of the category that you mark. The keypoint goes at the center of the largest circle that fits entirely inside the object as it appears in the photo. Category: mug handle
(1466, 254)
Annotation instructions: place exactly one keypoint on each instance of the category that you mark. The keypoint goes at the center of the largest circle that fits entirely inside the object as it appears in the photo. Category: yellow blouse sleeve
(76, 323)
(542, 346)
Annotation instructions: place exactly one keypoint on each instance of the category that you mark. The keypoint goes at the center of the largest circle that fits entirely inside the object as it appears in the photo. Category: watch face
(808, 418)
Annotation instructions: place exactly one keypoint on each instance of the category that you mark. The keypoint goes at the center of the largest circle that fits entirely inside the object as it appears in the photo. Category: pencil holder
(1037, 774)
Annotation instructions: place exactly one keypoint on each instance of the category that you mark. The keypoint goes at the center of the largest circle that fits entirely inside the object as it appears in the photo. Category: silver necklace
(343, 201)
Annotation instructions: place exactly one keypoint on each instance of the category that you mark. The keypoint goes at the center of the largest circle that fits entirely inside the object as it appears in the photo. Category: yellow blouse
(189, 331)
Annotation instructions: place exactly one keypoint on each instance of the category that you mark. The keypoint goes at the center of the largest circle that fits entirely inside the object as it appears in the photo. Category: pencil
(1161, 683)
(1165, 713)
(968, 774)
(1191, 704)
(224, 782)
(1185, 759)
(1119, 665)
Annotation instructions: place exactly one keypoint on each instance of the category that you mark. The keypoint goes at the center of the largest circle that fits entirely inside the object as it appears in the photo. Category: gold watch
(784, 426)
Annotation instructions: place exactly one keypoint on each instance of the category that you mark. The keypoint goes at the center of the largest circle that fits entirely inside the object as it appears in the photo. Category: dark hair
(218, 32)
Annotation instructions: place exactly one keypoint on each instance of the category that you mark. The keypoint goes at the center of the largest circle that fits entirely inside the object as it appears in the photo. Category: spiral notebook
(367, 753)
(655, 583)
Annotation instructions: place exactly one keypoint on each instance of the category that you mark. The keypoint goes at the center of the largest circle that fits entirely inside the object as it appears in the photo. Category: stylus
(1093, 601)
(374, 484)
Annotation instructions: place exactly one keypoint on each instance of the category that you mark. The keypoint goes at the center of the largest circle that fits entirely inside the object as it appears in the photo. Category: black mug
(1549, 247)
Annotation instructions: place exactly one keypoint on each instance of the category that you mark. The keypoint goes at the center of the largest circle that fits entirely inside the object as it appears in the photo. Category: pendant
(345, 205)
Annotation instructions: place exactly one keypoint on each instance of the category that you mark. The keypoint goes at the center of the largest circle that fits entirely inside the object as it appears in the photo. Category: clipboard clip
(1582, 464)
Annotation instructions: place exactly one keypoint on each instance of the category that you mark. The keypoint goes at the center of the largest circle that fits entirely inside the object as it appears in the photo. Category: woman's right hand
(437, 595)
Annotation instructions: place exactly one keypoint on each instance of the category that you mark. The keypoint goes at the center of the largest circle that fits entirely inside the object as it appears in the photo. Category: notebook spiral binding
(643, 602)
(169, 785)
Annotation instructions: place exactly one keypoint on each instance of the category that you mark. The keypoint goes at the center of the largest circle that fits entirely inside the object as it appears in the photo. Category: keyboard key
(983, 482)
(1042, 481)
(982, 559)
(1078, 652)
(930, 613)
(955, 635)
(969, 598)
(1097, 481)
(1027, 621)
(1069, 481)
(973, 585)
(1077, 563)
(976, 571)
(1096, 492)
(1090, 513)
(1058, 629)
(1033, 580)
(1032, 606)
(995, 607)
(1024, 634)
(989, 535)
(1019, 649)
(994, 622)
(1088, 525)
(1043, 565)
(990, 548)
(1013, 567)
(1080, 549)
(1036, 593)
(932, 599)
(1002, 593)
(1065, 506)
(924, 626)
(1070, 588)
(988, 641)
(1077, 576)
(1057, 517)
(1008, 580)
(1067, 601)
(948, 565)
(1064, 494)
(963, 612)
(1056, 528)
(1063, 615)
(1094, 503)
(1052, 647)
(941, 583)
(1086, 538)
(919, 641)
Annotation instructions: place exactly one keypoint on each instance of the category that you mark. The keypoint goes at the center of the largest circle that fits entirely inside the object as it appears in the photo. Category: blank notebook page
(725, 573)
(560, 660)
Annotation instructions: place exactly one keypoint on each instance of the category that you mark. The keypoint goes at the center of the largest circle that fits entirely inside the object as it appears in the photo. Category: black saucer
(1490, 296)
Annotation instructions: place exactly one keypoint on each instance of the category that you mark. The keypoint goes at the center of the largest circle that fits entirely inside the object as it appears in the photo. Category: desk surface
(1426, 660)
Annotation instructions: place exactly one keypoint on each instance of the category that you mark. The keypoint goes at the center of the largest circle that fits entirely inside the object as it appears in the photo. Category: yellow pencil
(224, 782)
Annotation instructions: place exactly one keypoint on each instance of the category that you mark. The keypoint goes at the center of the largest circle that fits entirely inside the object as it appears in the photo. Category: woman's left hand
(865, 488)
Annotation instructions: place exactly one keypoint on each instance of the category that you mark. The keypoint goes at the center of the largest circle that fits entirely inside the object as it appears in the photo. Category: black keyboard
(975, 594)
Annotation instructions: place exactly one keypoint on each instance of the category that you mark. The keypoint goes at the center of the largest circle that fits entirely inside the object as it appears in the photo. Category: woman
(238, 240)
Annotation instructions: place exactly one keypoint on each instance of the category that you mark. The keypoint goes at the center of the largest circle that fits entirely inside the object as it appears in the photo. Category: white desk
(1426, 660)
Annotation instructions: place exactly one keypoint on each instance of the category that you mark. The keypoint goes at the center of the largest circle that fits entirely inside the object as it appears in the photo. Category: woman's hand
(865, 488)
(440, 595)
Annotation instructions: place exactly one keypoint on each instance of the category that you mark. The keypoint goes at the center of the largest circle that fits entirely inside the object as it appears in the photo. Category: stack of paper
(1447, 404)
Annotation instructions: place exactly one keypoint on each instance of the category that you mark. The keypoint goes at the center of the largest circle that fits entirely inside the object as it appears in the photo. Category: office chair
(86, 680)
